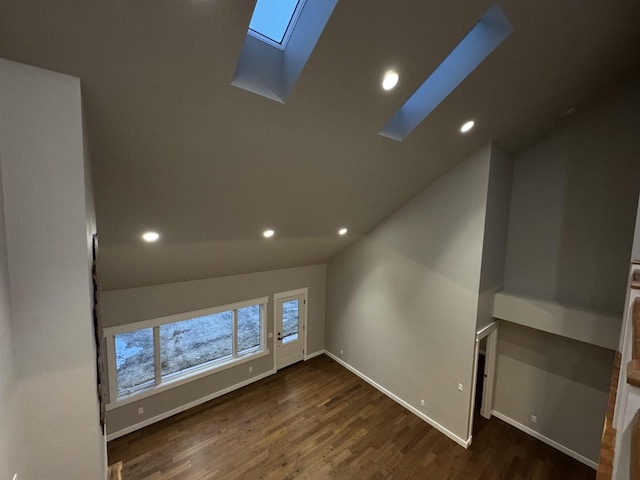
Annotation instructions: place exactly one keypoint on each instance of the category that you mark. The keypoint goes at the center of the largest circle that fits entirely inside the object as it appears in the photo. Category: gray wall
(571, 225)
(573, 207)
(564, 382)
(494, 244)
(120, 307)
(10, 433)
(48, 222)
(402, 302)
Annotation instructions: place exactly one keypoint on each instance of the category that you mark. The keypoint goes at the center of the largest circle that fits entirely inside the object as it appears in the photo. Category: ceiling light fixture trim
(390, 80)
(467, 126)
(150, 236)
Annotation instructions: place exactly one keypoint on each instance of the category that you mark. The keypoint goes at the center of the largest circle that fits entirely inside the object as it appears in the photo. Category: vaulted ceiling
(175, 148)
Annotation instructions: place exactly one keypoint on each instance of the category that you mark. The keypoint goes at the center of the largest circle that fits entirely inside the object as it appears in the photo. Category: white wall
(47, 223)
(571, 225)
(131, 305)
(10, 432)
(402, 302)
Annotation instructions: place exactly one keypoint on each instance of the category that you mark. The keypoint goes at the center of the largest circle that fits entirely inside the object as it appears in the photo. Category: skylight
(273, 20)
(280, 38)
(492, 29)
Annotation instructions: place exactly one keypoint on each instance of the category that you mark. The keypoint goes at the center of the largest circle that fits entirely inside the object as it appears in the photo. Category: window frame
(287, 33)
(160, 384)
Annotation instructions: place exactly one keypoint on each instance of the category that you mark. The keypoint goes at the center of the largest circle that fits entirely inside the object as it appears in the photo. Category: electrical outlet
(341, 352)
(422, 402)
(460, 387)
(534, 419)
(250, 369)
(140, 410)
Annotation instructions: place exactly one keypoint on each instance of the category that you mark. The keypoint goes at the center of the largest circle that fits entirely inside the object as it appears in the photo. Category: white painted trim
(157, 360)
(491, 360)
(392, 396)
(155, 322)
(187, 406)
(547, 440)
(472, 392)
(280, 295)
(491, 333)
(483, 332)
(111, 360)
(291, 293)
(313, 355)
(184, 378)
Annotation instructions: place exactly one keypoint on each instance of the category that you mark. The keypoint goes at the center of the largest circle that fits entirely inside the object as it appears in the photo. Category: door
(290, 329)
(483, 376)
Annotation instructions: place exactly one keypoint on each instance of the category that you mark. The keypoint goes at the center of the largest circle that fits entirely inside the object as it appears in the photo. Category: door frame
(277, 296)
(491, 355)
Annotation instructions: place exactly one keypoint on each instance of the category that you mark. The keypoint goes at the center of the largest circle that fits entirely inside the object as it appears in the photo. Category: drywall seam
(392, 396)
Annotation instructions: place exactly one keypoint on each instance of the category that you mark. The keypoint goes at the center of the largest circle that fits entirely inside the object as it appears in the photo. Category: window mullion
(156, 355)
(235, 333)
(263, 325)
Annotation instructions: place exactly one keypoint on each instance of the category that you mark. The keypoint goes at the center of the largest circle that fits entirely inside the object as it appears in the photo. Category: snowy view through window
(190, 343)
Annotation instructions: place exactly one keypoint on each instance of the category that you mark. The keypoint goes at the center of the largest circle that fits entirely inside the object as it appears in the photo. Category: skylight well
(490, 31)
(280, 38)
(274, 20)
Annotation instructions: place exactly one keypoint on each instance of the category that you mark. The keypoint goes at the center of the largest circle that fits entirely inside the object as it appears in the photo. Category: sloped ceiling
(175, 148)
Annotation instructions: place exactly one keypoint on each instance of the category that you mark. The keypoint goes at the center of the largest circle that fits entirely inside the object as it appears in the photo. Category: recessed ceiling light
(150, 236)
(466, 126)
(390, 80)
(268, 233)
(342, 231)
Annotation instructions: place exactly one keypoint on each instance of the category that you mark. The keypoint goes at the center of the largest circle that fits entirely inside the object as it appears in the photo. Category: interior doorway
(290, 310)
(485, 355)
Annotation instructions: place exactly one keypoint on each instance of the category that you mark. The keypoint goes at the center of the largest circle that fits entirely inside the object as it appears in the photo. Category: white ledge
(549, 316)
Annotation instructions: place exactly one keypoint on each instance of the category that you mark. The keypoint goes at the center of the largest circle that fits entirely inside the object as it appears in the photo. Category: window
(273, 20)
(290, 321)
(280, 38)
(134, 360)
(153, 355)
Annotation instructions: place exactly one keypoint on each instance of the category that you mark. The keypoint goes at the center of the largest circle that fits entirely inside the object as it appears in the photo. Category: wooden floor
(317, 420)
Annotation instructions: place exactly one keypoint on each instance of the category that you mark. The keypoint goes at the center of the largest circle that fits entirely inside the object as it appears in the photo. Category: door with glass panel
(290, 329)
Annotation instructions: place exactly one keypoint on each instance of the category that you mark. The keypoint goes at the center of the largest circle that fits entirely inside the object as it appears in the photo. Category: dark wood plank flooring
(317, 420)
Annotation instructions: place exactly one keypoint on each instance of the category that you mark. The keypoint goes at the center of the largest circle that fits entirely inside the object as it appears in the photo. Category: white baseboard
(546, 440)
(411, 408)
(314, 354)
(187, 406)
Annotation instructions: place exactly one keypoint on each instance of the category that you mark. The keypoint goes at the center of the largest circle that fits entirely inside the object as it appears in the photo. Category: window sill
(183, 379)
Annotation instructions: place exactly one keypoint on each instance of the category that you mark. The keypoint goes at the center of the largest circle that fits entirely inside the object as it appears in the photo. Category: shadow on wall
(573, 208)
(564, 382)
(601, 187)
